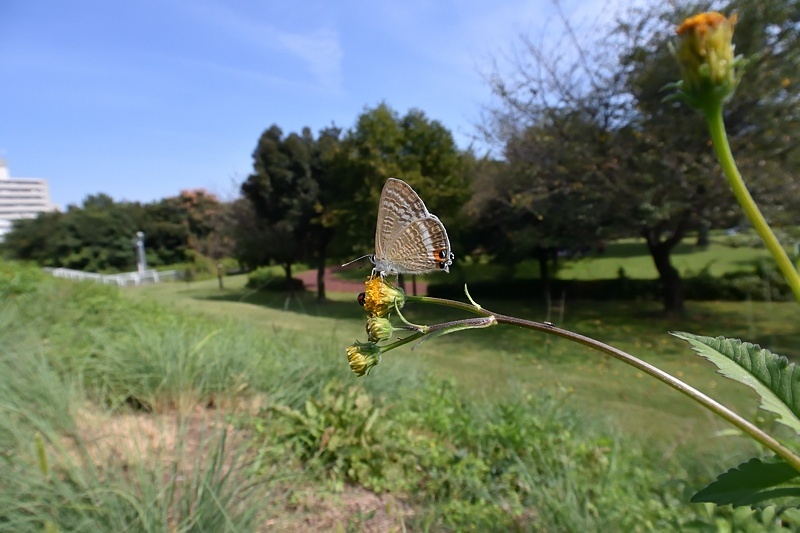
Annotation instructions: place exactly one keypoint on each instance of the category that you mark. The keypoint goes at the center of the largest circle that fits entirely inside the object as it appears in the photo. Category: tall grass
(72, 460)
(123, 414)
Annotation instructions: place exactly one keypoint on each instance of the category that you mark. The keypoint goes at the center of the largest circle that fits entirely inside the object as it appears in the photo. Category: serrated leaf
(752, 482)
(776, 381)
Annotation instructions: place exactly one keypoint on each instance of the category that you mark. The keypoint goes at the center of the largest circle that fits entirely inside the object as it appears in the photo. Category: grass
(185, 407)
(519, 358)
(631, 256)
(724, 254)
(73, 458)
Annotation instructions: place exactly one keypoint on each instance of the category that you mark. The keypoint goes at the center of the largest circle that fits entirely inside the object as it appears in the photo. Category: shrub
(347, 435)
(18, 278)
(267, 279)
(764, 283)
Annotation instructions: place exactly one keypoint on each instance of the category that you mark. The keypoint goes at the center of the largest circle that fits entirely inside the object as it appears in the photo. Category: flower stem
(447, 303)
(716, 127)
(682, 387)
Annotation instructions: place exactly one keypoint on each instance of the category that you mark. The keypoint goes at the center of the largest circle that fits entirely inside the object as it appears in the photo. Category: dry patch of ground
(179, 444)
(353, 509)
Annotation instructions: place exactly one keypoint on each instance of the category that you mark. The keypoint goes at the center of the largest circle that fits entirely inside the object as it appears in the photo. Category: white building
(21, 198)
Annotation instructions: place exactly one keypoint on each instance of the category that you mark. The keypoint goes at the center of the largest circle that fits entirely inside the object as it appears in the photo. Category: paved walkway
(334, 284)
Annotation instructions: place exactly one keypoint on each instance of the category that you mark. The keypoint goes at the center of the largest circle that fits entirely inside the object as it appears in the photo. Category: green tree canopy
(283, 193)
(589, 121)
(98, 235)
(414, 148)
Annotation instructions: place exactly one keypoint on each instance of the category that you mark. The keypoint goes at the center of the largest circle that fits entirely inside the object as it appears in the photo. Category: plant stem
(704, 400)
(684, 388)
(716, 127)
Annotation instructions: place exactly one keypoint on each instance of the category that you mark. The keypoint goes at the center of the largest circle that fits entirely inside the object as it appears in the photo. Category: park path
(334, 284)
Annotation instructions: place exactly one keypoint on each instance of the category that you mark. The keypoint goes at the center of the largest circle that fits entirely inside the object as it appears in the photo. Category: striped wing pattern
(408, 238)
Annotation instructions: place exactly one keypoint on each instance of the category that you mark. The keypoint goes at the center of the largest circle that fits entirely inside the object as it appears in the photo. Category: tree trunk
(287, 267)
(321, 257)
(673, 295)
(219, 276)
(673, 292)
(543, 255)
(702, 233)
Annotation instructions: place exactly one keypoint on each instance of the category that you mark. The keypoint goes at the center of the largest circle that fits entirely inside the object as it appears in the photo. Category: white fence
(122, 280)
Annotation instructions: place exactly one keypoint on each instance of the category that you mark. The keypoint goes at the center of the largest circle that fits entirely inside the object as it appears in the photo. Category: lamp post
(141, 261)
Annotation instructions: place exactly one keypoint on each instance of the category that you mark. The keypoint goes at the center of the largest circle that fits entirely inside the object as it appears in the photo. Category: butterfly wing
(399, 206)
(419, 247)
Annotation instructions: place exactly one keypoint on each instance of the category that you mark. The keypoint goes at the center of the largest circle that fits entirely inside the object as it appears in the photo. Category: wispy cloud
(318, 49)
(321, 52)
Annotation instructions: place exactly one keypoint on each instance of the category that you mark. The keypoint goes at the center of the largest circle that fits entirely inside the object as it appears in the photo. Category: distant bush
(18, 278)
(761, 284)
(268, 279)
(599, 289)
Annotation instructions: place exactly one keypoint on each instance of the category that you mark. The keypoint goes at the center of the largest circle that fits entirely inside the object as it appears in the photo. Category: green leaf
(754, 481)
(775, 380)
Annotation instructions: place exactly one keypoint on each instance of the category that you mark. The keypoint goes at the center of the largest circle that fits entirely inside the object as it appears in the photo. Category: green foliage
(753, 482)
(729, 287)
(592, 150)
(16, 278)
(776, 381)
(59, 364)
(266, 279)
(282, 191)
(178, 364)
(412, 147)
(346, 434)
(527, 464)
(181, 494)
(99, 235)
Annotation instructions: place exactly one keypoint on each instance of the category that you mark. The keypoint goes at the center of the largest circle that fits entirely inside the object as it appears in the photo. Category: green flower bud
(705, 55)
(379, 329)
(362, 356)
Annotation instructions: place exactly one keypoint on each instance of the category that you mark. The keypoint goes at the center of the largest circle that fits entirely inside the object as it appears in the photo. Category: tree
(219, 241)
(318, 196)
(420, 151)
(35, 239)
(335, 190)
(250, 232)
(200, 208)
(651, 161)
(531, 205)
(165, 229)
(98, 236)
(283, 191)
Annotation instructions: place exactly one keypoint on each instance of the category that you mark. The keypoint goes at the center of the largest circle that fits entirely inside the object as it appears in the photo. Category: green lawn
(724, 254)
(182, 406)
(491, 362)
(632, 257)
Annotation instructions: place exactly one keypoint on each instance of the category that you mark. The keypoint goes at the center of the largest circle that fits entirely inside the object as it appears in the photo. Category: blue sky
(141, 99)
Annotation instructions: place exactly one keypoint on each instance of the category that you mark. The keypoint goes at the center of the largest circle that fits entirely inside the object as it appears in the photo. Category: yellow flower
(380, 297)
(379, 329)
(705, 55)
(362, 356)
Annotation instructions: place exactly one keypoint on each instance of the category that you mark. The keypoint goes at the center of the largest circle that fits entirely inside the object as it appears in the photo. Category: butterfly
(409, 239)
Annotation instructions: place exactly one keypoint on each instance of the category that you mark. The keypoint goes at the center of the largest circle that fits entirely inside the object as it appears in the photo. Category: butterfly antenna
(356, 260)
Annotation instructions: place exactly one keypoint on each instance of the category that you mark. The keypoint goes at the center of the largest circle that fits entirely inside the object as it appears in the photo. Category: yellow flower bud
(705, 55)
(380, 297)
(362, 356)
(379, 329)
